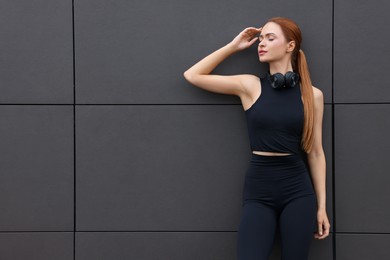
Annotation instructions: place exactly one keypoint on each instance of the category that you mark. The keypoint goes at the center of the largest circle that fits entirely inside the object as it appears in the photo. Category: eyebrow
(267, 35)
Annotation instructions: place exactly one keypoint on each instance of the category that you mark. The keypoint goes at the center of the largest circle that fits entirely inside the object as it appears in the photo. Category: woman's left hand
(323, 224)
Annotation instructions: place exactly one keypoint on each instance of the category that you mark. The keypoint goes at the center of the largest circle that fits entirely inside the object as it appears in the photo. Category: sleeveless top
(275, 120)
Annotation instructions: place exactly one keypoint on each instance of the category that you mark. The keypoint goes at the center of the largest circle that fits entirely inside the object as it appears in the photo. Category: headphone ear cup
(291, 79)
(277, 80)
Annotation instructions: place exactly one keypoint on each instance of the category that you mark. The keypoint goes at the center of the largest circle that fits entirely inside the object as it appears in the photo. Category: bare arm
(199, 74)
(317, 164)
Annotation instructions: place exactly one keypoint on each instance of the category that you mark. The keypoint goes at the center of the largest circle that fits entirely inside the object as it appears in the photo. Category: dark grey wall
(107, 153)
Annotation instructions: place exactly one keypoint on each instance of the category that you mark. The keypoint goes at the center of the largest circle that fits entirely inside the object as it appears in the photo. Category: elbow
(316, 153)
(189, 76)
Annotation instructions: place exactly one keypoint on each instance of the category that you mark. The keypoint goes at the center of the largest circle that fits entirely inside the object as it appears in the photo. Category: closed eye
(270, 39)
(268, 35)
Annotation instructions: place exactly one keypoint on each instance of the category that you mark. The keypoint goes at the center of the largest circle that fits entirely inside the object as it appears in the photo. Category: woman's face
(273, 45)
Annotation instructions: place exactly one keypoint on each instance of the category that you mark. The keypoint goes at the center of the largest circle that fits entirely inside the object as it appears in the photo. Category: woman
(284, 114)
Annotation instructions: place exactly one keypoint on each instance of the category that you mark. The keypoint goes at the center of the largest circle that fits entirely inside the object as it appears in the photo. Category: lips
(262, 52)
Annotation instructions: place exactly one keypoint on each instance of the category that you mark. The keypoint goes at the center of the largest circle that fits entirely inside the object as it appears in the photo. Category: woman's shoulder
(317, 92)
(318, 95)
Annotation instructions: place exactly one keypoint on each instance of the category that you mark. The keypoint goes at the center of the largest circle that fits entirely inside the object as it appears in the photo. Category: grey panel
(362, 147)
(362, 246)
(36, 57)
(36, 180)
(36, 246)
(137, 51)
(156, 245)
(160, 167)
(361, 59)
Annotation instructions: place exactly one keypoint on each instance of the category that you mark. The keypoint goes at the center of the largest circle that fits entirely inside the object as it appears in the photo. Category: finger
(320, 229)
(324, 235)
(251, 31)
(327, 229)
(250, 34)
(252, 28)
(253, 41)
(317, 236)
(325, 232)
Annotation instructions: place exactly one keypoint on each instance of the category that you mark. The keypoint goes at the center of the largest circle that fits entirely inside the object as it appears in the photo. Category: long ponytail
(308, 101)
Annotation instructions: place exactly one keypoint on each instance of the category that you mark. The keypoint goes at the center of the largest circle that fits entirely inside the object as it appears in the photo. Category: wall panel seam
(74, 133)
(333, 145)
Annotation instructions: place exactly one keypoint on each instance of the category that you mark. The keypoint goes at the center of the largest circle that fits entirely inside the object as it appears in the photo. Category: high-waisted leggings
(278, 193)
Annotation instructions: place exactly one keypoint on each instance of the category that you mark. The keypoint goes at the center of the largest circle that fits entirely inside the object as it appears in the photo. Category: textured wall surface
(108, 153)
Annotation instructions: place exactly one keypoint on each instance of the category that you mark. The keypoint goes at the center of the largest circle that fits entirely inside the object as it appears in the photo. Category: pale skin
(277, 53)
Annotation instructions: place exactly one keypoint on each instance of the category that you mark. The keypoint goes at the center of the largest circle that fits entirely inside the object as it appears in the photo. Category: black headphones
(278, 80)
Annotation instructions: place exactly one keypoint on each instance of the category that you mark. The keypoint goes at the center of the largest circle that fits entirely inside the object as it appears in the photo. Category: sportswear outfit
(278, 193)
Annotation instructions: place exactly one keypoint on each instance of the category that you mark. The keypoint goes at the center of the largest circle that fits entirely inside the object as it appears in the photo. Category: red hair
(292, 32)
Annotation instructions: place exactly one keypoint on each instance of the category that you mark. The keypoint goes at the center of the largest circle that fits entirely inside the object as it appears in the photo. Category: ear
(290, 46)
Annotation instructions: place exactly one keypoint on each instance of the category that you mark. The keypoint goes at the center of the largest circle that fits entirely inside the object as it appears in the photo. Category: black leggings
(277, 193)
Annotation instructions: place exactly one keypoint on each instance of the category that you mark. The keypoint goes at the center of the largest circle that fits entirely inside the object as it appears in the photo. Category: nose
(261, 44)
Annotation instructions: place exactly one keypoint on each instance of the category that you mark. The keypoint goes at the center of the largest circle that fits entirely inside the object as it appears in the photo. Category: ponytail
(308, 101)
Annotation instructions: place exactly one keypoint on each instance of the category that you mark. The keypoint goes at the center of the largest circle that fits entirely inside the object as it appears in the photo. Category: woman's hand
(323, 225)
(245, 38)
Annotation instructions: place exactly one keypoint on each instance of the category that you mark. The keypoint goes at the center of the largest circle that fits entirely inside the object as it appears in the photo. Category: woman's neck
(280, 67)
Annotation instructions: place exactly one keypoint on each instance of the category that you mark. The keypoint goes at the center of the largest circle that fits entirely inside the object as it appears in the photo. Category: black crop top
(275, 120)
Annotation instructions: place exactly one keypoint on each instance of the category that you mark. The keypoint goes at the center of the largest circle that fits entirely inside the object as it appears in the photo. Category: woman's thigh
(256, 232)
(297, 226)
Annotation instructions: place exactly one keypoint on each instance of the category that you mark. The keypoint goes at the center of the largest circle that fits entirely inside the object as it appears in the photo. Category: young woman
(284, 116)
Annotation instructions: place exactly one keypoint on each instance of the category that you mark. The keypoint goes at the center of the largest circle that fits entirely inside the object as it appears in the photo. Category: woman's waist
(274, 159)
(264, 153)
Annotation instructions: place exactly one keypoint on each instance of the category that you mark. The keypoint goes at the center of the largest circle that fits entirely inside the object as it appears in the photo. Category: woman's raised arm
(199, 74)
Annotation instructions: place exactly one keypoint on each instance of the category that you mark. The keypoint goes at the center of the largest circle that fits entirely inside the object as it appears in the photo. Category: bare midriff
(270, 153)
